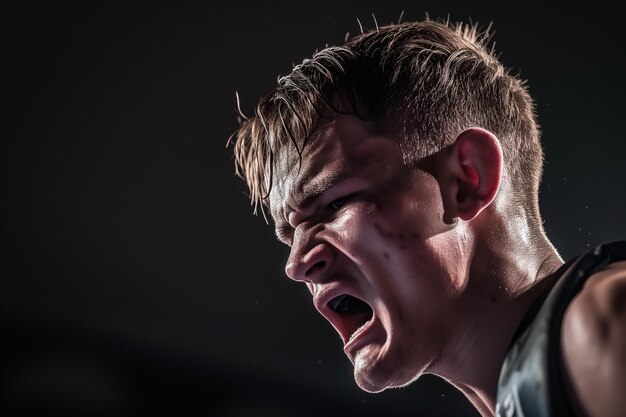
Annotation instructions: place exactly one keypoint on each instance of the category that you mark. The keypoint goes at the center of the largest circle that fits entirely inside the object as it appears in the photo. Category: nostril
(315, 268)
(307, 263)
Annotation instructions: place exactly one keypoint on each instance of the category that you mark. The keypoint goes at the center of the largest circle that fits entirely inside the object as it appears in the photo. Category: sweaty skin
(446, 273)
(384, 244)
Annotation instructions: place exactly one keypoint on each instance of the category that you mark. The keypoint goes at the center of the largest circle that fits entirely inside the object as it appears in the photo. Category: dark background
(136, 281)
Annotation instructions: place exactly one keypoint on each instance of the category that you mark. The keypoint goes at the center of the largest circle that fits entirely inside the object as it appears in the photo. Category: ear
(471, 173)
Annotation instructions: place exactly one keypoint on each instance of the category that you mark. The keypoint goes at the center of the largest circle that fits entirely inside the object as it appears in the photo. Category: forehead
(340, 147)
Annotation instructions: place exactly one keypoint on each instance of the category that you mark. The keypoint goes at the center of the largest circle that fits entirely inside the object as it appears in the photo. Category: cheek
(401, 226)
(346, 227)
(373, 230)
(357, 233)
(410, 244)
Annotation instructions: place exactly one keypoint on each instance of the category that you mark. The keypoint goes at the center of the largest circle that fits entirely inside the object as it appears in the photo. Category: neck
(506, 276)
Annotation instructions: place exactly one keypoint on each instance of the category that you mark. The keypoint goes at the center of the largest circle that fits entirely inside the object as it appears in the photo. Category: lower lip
(358, 339)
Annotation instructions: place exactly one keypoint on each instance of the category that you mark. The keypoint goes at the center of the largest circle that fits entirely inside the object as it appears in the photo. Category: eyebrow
(309, 193)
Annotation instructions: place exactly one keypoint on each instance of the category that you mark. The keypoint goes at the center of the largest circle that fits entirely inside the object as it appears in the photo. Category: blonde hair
(423, 82)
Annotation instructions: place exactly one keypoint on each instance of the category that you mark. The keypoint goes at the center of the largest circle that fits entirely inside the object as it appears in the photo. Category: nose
(309, 262)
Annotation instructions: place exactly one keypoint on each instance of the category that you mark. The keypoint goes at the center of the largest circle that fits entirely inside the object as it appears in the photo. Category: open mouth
(354, 314)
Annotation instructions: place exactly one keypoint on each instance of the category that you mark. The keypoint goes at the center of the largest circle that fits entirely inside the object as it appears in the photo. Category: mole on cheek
(386, 255)
(492, 299)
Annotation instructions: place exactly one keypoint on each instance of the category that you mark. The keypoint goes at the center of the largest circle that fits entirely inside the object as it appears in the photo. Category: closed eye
(338, 203)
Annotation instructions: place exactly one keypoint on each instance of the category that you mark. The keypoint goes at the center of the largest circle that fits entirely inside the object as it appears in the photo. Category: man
(402, 169)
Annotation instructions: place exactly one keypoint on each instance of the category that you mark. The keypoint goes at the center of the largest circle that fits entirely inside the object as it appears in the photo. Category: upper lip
(345, 325)
(323, 295)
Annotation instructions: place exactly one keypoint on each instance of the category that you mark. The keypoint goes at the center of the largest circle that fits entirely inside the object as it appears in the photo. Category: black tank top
(532, 380)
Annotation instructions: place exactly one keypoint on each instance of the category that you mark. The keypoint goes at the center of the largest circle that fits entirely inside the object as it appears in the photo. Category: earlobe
(474, 166)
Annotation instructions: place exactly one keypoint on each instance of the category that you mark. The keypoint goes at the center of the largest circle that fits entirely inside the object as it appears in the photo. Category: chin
(374, 385)
(377, 376)
(368, 384)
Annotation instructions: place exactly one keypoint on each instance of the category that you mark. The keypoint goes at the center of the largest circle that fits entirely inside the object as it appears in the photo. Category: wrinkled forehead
(293, 168)
(343, 144)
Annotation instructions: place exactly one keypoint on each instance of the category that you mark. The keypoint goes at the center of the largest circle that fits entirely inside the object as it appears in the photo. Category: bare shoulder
(594, 342)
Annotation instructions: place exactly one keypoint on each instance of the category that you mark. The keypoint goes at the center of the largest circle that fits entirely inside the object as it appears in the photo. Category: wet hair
(422, 82)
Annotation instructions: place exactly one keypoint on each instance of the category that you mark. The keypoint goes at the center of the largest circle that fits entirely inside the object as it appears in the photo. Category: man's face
(368, 238)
